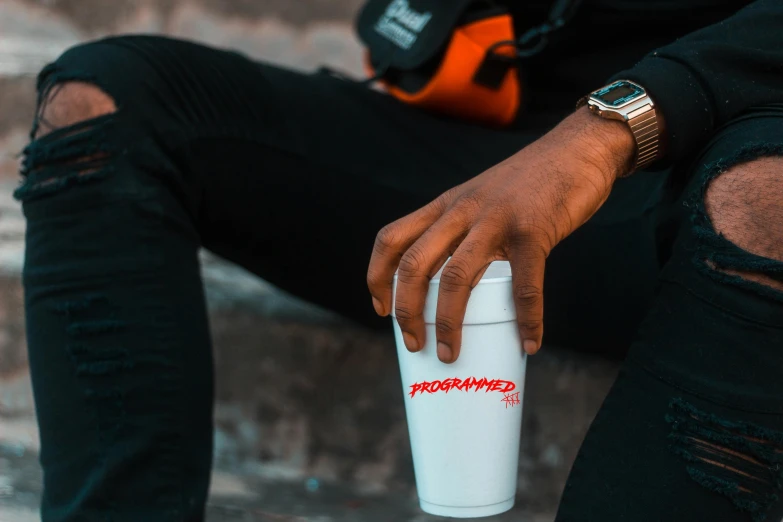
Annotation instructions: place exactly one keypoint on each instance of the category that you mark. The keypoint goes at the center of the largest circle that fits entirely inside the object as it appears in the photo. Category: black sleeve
(709, 77)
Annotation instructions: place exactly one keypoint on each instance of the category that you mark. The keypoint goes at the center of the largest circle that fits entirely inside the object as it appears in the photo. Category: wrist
(628, 102)
(607, 145)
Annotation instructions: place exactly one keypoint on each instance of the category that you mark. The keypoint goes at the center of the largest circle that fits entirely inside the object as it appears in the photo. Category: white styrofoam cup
(464, 418)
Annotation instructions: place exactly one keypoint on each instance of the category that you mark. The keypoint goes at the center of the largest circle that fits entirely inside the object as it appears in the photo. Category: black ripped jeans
(291, 176)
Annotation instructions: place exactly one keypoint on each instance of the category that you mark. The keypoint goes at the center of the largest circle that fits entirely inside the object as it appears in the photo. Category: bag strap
(495, 66)
(561, 12)
(535, 39)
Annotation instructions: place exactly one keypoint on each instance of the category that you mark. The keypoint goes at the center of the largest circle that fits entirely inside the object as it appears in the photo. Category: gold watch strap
(644, 126)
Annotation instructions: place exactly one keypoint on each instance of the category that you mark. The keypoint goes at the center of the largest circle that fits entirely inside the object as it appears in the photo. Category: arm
(520, 209)
(711, 76)
(517, 210)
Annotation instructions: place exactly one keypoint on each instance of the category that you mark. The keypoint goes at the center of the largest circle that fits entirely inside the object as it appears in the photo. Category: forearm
(606, 148)
(611, 142)
(606, 145)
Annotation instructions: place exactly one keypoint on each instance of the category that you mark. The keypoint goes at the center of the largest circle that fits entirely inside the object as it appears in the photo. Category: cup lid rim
(499, 265)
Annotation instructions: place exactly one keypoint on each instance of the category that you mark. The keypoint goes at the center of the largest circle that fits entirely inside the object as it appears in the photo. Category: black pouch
(453, 57)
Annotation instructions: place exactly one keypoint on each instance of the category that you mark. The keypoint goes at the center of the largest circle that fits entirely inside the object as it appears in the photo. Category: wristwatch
(627, 101)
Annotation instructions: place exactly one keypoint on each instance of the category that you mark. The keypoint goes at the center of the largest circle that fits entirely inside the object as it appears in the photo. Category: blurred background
(310, 424)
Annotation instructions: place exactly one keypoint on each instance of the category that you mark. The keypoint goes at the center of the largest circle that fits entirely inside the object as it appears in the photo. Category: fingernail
(377, 305)
(444, 352)
(410, 341)
(530, 346)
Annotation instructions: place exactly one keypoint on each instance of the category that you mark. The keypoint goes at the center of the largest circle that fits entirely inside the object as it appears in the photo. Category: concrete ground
(284, 451)
(247, 498)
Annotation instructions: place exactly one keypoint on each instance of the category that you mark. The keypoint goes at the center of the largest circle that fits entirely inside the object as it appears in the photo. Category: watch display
(618, 93)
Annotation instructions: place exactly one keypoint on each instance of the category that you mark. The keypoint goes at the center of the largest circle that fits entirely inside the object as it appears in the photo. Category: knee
(89, 80)
(70, 103)
(745, 207)
(73, 88)
(68, 145)
(70, 136)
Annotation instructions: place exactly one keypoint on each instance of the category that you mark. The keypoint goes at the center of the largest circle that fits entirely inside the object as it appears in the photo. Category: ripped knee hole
(740, 218)
(69, 143)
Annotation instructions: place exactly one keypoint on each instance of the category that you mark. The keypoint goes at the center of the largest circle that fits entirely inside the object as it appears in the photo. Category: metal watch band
(635, 108)
(644, 126)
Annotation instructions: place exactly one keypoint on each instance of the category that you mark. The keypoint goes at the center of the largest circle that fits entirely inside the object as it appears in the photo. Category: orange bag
(451, 57)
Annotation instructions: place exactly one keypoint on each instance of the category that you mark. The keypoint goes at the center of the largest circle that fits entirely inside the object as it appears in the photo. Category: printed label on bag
(402, 25)
(466, 385)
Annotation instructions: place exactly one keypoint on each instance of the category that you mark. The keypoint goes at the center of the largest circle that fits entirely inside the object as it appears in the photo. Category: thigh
(693, 427)
(291, 176)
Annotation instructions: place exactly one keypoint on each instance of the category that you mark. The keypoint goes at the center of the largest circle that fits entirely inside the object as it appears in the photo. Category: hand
(517, 211)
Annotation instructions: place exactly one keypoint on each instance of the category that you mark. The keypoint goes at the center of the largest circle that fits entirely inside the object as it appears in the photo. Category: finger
(459, 277)
(420, 262)
(528, 259)
(391, 243)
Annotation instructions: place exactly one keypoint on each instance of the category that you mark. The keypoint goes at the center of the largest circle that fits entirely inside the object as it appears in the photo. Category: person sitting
(662, 247)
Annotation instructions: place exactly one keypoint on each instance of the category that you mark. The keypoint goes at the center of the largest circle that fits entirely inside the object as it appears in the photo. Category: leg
(118, 340)
(693, 427)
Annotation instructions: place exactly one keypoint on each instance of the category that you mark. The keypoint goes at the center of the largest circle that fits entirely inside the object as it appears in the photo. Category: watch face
(618, 93)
